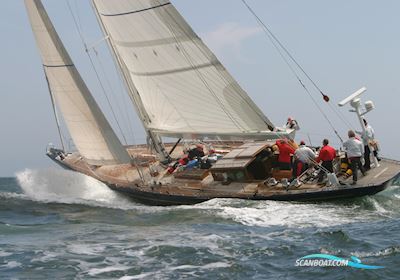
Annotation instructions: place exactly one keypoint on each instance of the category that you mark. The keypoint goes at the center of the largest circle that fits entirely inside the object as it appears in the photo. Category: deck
(129, 178)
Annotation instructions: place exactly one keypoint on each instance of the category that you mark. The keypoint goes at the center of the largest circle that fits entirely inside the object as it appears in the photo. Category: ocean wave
(301, 215)
(98, 271)
(12, 195)
(276, 213)
(67, 187)
(4, 254)
(385, 203)
(12, 264)
(390, 251)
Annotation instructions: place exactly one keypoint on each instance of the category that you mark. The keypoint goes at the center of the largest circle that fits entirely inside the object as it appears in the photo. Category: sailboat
(168, 70)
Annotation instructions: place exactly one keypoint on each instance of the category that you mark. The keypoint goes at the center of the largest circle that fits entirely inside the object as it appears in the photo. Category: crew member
(292, 124)
(304, 156)
(355, 150)
(369, 137)
(326, 155)
(197, 152)
(285, 152)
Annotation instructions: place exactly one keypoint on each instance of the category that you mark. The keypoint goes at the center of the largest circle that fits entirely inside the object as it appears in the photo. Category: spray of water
(62, 186)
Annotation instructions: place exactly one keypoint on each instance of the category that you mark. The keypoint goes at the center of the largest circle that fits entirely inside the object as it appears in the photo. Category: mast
(155, 139)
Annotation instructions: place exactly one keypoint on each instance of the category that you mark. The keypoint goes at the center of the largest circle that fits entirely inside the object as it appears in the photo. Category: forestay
(89, 129)
(177, 84)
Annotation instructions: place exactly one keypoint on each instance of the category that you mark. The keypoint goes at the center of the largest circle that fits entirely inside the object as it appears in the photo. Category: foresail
(178, 81)
(92, 134)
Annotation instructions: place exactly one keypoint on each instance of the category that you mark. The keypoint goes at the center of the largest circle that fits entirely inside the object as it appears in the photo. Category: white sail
(177, 84)
(89, 129)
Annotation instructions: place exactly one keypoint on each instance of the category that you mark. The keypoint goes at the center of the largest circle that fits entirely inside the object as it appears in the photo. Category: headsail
(178, 85)
(89, 129)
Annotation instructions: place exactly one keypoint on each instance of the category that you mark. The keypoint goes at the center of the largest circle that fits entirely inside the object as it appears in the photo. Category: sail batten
(179, 84)
(92, 134)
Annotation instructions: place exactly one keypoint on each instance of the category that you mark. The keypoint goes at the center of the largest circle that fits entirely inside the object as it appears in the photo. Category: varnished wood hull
(163, 196)
(344, 192)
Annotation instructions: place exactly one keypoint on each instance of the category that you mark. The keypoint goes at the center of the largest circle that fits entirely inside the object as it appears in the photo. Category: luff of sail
(92, 134)
(180, 87)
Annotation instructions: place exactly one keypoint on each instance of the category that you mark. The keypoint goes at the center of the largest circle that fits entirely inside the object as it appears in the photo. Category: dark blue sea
(55, 224)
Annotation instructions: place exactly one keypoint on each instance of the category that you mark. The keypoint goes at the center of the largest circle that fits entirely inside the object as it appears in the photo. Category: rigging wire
(274, 42)
(95, 70)
(122, 77)
(268, 30)
(102, 68)
(282, 50)
(341, 116)
(55, 112)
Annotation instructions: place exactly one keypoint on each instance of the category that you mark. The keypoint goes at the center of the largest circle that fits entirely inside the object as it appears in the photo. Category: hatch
(249, 162)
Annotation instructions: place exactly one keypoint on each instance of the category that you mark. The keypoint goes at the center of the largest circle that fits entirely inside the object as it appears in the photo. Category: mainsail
(177, 84)
(89, 129)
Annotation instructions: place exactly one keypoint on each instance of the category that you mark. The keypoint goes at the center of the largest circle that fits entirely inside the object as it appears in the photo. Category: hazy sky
(343, 45)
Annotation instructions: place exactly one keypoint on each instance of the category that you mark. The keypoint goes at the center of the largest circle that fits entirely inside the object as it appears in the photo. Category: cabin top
(251, 161)
(242, 156)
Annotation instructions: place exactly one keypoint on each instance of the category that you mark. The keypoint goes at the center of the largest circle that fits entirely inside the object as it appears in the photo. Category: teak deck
(193, 186)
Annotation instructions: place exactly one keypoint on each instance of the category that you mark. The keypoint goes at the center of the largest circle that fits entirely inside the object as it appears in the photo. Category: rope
(281, 50)
(95, 70)
(267, 29)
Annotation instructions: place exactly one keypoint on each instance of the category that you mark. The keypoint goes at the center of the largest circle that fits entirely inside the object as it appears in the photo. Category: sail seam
(61, 65)
(151, 43)
(172, 71)
(137, 11)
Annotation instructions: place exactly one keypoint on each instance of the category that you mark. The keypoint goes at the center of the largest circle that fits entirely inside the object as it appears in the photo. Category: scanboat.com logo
(323, 260)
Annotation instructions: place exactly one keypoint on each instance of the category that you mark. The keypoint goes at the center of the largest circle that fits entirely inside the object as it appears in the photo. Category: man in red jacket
(327, 154)
(285, 152)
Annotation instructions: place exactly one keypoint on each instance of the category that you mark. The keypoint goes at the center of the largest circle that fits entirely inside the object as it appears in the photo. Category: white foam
(12, 264)
(4, 254)
(47, 256)
(57, 185)
(382, 253)
(8, 195)
(96, 271)
(86, 249)
(62, 186)
(378, 207)
(275, 213)
(216, 265)
(162, 273)
(139, 276)
(207, 266)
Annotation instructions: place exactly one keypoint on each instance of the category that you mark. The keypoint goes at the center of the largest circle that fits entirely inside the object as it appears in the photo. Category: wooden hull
(186, 192)
(344, 192)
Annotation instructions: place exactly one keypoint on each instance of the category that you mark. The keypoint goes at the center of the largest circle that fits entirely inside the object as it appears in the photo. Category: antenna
(355, 102)
(352, 97)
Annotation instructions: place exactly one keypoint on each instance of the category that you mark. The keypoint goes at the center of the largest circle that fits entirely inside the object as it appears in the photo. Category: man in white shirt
(304, 156)
(355, 150)
(368, 137)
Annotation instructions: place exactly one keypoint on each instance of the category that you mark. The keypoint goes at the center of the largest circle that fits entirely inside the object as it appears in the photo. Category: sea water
(56, 224)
